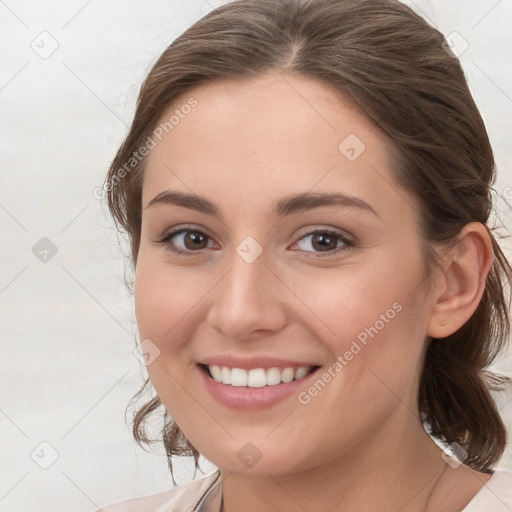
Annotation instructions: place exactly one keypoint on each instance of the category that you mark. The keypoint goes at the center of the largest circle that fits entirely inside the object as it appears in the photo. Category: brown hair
(402, 74)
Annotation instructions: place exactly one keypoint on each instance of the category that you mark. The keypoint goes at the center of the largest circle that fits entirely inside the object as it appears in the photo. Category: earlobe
(462, 283)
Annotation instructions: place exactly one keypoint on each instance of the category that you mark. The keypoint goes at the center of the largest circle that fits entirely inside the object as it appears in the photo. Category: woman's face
(268, 279)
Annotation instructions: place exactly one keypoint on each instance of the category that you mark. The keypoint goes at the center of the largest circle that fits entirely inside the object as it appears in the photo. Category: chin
(255, 458)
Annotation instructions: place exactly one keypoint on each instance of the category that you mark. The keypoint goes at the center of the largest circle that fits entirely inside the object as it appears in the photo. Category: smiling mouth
(257, 377)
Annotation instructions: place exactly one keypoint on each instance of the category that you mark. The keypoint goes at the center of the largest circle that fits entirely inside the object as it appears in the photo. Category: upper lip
(249, 363)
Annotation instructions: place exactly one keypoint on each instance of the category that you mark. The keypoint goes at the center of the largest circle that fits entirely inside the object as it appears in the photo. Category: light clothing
(202, 495)
(205, 494)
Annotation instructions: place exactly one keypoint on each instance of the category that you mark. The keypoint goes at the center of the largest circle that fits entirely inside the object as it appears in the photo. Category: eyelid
(322, 229)
(349, 241)
(165, 237)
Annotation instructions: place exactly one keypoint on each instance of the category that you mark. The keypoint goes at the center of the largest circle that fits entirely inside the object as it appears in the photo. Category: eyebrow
(283, 207)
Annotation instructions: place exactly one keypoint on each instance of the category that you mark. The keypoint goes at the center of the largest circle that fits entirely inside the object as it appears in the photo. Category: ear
(462, 281)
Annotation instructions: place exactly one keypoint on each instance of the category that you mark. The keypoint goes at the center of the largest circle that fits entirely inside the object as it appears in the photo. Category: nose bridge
(245, 283)
(246, 298)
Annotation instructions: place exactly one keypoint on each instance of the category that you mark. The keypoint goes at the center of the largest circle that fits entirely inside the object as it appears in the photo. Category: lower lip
(252, 399)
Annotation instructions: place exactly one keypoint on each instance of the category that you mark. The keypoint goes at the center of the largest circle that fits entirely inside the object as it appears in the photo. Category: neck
(397, 469)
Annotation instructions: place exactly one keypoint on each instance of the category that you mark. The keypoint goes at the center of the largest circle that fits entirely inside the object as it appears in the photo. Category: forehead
(273, 135)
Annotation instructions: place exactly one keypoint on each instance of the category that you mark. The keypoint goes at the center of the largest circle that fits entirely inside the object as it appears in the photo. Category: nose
(250, 299)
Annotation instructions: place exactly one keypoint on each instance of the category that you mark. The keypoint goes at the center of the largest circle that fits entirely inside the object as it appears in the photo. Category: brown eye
(327, 242)
(194, 240)
(185, 241)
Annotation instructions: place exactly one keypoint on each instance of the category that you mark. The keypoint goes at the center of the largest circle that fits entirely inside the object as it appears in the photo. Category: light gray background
(67, 325)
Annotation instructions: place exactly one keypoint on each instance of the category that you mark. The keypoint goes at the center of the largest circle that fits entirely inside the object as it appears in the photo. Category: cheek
(166, 298)
(371, 320)
(342, 305)
(164, 307)
(374, 337)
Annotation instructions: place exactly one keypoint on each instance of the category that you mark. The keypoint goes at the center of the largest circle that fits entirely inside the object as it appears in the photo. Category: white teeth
(300, 372)
(216, 372)
(273, 376)
(287, 374)
(238, 377)
(257, 377)
(226, 375)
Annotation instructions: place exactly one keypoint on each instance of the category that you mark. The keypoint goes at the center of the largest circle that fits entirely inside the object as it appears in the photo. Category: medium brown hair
(403, 75)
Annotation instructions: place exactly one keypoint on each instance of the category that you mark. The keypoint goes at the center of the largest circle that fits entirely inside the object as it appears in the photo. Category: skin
(245, 145)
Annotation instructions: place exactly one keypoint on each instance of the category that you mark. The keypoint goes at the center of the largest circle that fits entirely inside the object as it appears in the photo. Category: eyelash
(164, 240)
